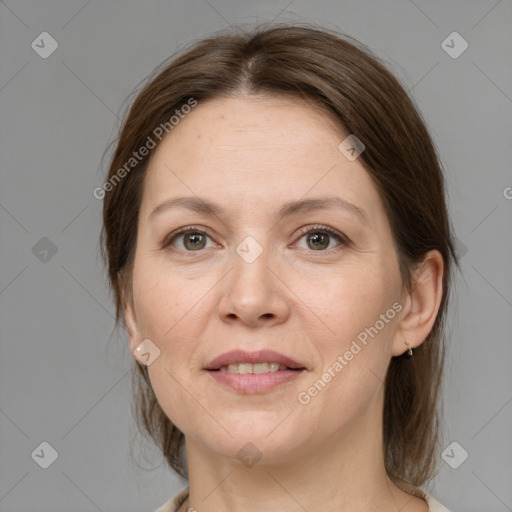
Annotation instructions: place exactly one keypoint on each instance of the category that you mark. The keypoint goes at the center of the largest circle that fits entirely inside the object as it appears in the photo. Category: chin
(269, 442)
(250, 451)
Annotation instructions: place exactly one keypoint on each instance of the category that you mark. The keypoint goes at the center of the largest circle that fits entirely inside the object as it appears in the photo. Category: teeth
(260, 368)
(243, 368)
(257, 368)
(273, 367)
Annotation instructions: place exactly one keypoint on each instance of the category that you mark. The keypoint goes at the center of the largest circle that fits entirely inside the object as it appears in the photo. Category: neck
(344, 472)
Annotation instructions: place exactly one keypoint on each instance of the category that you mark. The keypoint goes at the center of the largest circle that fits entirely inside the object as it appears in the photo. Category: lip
(260, 356)
(254, 383)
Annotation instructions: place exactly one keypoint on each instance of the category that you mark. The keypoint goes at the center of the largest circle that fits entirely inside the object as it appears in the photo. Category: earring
(409, 351)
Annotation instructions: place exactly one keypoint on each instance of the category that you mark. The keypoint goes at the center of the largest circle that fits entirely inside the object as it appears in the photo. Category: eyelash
(317, 228)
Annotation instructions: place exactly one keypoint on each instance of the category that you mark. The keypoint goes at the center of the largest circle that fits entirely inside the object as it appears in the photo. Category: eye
(319, 238)
(190, 239)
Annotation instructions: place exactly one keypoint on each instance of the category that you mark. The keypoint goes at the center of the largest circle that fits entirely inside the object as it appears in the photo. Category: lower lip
(255, 383)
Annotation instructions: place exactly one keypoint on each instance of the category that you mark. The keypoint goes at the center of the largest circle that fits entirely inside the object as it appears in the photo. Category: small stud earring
(409, 349)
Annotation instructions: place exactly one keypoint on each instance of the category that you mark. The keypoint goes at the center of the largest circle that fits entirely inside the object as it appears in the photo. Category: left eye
(320, 238)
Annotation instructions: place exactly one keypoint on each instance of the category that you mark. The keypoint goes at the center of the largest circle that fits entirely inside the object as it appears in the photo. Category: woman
(278, 246)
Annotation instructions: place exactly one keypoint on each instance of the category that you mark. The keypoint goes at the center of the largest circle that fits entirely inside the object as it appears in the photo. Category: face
(311, 287)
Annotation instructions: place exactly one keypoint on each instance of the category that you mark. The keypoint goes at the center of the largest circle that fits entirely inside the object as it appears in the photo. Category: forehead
(256, 151)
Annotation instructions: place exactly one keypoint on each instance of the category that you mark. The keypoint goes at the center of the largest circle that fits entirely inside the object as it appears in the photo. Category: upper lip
(261, 356)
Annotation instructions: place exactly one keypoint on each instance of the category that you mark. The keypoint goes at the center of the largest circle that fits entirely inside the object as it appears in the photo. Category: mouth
(254, 372)
(262, 361)
(255, 369)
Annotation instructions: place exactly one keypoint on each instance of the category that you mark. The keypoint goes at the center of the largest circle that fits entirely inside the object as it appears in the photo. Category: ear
(130, 319)
(421, 304)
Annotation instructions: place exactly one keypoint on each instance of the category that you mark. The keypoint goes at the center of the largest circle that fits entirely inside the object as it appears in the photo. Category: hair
(345, 78)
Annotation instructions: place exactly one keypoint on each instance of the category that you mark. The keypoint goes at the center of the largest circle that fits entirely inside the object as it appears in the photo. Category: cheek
(355, 352)
(345, 302)
(166, 307)
(162, 300)
(171, 312)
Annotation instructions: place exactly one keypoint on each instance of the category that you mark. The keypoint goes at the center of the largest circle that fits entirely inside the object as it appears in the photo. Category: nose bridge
(252, 291)
(250, 261)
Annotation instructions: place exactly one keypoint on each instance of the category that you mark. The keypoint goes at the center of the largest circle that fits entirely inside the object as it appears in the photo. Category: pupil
(319, 237)
(195, 240)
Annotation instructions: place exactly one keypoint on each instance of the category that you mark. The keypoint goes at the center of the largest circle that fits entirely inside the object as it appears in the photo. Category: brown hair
(354, 85)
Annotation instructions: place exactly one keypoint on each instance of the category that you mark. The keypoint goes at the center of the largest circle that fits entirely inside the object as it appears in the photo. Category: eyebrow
(288, 209)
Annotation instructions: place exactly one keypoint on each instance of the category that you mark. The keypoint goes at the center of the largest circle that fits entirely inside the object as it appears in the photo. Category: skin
(251, 154)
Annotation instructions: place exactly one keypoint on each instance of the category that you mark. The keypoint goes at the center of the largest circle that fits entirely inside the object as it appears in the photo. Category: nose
(253, 293)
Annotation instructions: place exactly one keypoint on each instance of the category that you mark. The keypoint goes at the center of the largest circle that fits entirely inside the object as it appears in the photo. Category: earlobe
(421, 304)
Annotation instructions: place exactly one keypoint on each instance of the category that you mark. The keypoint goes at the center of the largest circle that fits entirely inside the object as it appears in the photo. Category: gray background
(64, 376)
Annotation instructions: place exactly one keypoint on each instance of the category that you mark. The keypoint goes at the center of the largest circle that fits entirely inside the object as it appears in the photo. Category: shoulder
(433, 504)
(175, 502)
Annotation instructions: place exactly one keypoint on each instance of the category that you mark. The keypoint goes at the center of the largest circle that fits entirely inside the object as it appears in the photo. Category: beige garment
(175, 502)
